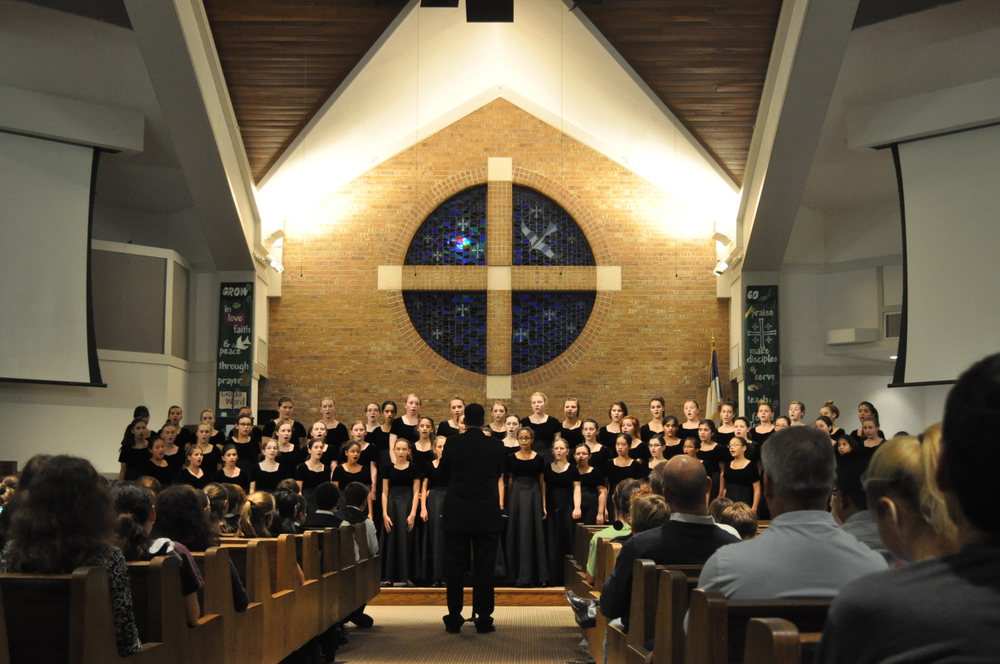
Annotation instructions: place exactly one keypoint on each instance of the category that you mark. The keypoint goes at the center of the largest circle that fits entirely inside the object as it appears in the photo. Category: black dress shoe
(485, 625)
(364, 621)
(453, 624)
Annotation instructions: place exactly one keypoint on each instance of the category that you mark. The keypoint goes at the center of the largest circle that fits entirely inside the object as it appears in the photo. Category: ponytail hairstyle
(133, 505)
(218, 500)
(257, 515)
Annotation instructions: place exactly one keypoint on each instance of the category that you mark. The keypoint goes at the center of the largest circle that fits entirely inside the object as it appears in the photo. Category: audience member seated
(850, 507)
(65, 521)
(257, 516)
(136, 514)
(218, 502)
(621, 529)
(802, 553)
(326, 497)
(355, 511)
(688, 538)
(291, 506)
(740, 517)
(236, 498)
(944, 608)
(182, 515)
(647, 512)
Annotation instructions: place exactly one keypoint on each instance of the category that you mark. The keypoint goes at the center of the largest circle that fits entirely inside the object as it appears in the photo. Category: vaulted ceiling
(704, 59)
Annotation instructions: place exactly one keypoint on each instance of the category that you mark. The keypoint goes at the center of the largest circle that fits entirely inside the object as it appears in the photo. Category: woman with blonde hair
(257, 515)
(905, 501)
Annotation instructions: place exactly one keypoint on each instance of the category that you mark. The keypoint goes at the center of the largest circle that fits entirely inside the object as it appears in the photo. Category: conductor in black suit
(473, 464)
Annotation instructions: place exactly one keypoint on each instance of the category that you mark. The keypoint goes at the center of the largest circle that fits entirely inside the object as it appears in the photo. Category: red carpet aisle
(415, 635)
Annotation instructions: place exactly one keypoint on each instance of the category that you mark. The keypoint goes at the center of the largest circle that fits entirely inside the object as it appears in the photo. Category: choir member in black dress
(622, 467)
(497, 427)
(741, 429)
(525, 500)
(589, 493)
(847, 447)
(742, 479)
(371, 417)
(432, 494)
(405, 426)
(285, 410)
(872, 437)
(760, 433)
(231, 472)
(218, 438)
(781, 421)
(713, 455)
(193, 474)
(380, 436)
(639, 450)
(400, 498)
(512, 424)
(423, 446)
(354, 470)
(141, 413)
(175, 416)
(336, 433)
(570, 430)
(268, 473)
(689, 428)
(290, 454)
(173, 454)
(156, 466)
(544, 427)
(672, 445)
(829, 409)
(247, 449)
(655, 424)
(450, 428)
(312, 472)
(212, 454)
(607, 434)
(656, 451)
(796, 410)
(599, 454)
(866, 410)
(134, 451)
(726, 430)
(824, 424)
(559, 508)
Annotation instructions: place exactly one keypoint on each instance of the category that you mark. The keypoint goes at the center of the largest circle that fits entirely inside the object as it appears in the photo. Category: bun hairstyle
(833, 409)
(134, 505)
(257, 515)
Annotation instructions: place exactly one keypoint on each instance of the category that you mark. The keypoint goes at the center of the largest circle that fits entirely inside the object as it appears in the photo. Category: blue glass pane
(453, 324)
(545, 324)
(454, 233)
(545, 234)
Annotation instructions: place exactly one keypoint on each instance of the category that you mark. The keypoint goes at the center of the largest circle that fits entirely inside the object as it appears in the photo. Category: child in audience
(742, 518)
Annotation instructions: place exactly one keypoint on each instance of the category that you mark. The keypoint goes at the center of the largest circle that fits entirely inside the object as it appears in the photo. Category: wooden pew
(158, 604)
(575, 566)
(243, 631)
(305, 621)
(607, 553)
(4, 648)
(66, 618)
(778, 641)
(717, 627)
(673, 592)
(349, 569)
(370, 567)
(331, 586)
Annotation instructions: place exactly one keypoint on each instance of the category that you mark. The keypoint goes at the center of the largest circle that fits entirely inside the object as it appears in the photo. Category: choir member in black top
(400, 497)
(450, 428)
(726, 430)
(656, 448)
(741, 429)
(796, 410)
(242, 439)
(672, 445)
(371, 417)
(781, 421)
(290, 455)
(570, 429)
(829, 409)
(353, 469)
(380, 436)
(872, 437)
(405, 426)
(134, 451)
(639, 450)
(218, 438)
(742, 479)
(193, 474)
(497, 427)
(525, 501)
(760, 433)
(173, 454)
(622, 467)
(689, 428)
(589, 493)
(545, 428)
(336, 433)
(174, 416)
(156, 466)
(268, 473)
(231, 472)
(212, 454)
(824, 424)
(599, 453)
(285, 410)
(559, 509)
(607, 434)
(512, 425)
(432, 495)
(713, 455)
(655, 424)
(312, 472)
(866, 410)
(423, 446)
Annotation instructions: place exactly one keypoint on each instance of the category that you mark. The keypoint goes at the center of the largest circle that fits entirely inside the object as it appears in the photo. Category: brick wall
(334, 333)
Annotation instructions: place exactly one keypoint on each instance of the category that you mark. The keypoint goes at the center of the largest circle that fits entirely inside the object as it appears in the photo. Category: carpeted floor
(415, 634)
